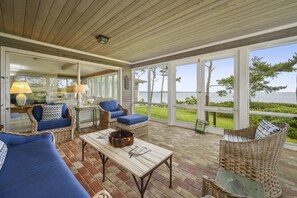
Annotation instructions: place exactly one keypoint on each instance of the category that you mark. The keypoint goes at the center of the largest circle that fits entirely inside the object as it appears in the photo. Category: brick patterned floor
(194, 155)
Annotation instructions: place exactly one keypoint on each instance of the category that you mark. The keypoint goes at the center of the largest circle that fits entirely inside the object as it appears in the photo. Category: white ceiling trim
(223, 41)
(59, 47)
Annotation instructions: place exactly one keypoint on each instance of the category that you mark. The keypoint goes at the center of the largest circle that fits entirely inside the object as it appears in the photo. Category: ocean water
(281, 97)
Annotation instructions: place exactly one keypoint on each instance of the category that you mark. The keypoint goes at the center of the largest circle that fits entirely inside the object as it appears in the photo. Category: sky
(225, 67)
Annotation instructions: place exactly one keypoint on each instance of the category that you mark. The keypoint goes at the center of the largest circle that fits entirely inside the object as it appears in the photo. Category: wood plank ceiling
(141, 29)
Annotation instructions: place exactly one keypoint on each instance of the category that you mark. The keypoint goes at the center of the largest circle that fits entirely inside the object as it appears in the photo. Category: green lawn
(188, 116)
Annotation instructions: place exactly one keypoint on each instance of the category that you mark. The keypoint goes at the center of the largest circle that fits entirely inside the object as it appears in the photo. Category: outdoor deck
(194, 155)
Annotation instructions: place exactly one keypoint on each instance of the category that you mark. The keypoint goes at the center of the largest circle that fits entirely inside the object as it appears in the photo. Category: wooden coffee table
(141, 158)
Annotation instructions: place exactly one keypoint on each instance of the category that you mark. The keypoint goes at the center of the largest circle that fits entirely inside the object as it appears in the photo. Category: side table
(94, 110)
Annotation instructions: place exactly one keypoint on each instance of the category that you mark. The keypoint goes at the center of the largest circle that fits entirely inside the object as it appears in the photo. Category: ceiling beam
(107, 71)
(67, 65)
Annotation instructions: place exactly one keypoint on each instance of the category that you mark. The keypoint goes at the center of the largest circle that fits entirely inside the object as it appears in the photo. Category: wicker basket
(121, 138)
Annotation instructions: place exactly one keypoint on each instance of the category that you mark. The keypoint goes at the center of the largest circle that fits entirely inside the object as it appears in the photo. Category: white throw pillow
(3, 152)
(52, 112)
(266, 128)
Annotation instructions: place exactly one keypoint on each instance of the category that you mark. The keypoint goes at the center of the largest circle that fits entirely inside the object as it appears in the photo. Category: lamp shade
(80, 89)
(20, 87)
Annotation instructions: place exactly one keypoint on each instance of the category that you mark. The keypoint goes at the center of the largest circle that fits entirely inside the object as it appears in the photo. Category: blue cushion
(115, 114)
(132, 119)
(111, 105)
(36, 170)
(37, 112)
(14, 140)
(53, 124)
(64, 109)
(3, 152)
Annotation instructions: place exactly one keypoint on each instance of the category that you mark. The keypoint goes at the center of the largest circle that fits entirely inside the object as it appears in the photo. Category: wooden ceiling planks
(140, 29)
(7, 15)
(19, 7)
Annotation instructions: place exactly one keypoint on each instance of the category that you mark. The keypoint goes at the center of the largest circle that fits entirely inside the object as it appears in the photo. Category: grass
(185, 115)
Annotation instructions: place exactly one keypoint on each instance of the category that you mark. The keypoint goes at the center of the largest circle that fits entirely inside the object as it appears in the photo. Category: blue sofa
(33, 168)
(63, 128)
(109, 112)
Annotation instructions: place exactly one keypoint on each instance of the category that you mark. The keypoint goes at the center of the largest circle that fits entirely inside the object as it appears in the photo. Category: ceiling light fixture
(102, 39)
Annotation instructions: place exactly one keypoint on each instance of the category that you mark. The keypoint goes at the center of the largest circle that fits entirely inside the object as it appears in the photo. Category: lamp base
(21, 99)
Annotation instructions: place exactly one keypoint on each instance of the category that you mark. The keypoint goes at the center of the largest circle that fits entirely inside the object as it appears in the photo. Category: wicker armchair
(109, 112)
(256, 159)
(61, 134)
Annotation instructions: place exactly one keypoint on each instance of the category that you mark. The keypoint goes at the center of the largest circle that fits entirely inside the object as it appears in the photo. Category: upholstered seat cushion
(35, 170)
(37, 111)
(115, 114)
(234, 138)
(132, 119)
(110, 105)
(53, 124)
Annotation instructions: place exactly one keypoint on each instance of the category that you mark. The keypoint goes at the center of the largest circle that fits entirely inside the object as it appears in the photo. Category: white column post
(243, 88)
(171, 93)
(78, 83)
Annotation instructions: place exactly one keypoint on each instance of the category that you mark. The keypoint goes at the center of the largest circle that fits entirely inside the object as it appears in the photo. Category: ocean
(281, 97)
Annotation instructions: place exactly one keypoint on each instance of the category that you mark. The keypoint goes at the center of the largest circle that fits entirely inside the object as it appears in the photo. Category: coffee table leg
(170, 164)
(104, 160)
(83, 150)
(142, 187)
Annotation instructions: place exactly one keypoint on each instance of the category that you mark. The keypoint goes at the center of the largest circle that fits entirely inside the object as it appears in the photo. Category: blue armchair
(63, 128)
(109, 112)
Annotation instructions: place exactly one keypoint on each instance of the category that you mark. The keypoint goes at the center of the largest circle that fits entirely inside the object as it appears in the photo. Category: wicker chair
(256, 159)
(109, 112)
(61, 134)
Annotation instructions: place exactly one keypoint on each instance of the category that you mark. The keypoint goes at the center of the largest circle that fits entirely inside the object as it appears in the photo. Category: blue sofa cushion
(111, 105)
(53, 124)
(115, 114)
(35, 170)
(3, 152)
(37, 111)
(132, 119)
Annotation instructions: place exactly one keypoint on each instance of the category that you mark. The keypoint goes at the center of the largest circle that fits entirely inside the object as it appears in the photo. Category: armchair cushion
(111, 105)
(234, 138)
(132, 119)
(37, 111)
(3, 152)
(266, 128)
(51, 112)
(115, 114)
(53, 124)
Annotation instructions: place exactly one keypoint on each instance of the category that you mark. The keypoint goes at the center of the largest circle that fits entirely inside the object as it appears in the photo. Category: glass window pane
(186, 84)
(292, 133)
(159, 84)
(219, 81)
(159, 112)
(221, 120)
(141, 109)
(140, 85)
(273, 79)
(185, 115)
(115, 85)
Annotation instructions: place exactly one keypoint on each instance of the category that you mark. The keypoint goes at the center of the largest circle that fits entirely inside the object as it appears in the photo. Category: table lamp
(20, 88)
(79, 89)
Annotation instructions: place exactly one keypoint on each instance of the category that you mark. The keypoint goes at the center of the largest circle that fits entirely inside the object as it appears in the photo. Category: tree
(154, 75)
(260, 73)
(210, 68)
(164, 72)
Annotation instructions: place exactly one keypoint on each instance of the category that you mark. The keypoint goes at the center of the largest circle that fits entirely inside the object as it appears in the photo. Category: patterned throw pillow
(52, 112)
(266, 128)
(3, 152)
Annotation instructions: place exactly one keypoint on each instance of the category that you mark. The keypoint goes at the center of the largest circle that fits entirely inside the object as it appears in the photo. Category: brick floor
(194, 155)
